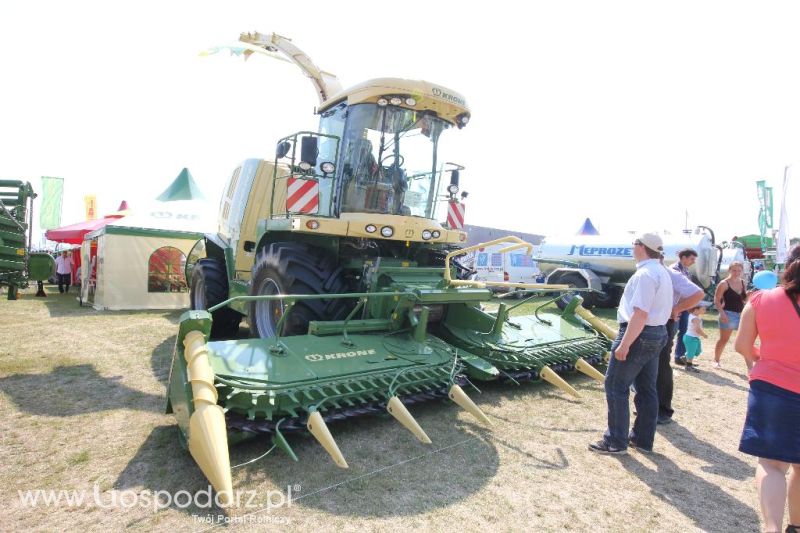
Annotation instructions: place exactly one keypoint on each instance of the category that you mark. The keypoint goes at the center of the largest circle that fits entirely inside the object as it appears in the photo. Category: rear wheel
(294, 268)
(574, 280)
(609, 298)
(210, 287)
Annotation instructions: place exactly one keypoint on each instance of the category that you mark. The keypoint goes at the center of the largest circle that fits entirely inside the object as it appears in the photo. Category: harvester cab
(351, 288)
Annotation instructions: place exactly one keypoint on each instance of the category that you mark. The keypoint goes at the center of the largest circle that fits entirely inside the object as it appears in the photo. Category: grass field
(82, 405)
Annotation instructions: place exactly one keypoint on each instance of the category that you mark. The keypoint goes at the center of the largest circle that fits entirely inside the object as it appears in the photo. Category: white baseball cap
(652, 241)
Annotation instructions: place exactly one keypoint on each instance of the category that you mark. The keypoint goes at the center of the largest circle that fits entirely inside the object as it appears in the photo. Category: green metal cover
(305, 357)
(41, 266)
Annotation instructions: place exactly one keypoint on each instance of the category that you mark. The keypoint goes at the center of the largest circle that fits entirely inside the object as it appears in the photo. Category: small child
(692, 337)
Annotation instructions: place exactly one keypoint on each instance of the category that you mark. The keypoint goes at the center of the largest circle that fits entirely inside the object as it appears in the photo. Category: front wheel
(294, 268)
(210, 287)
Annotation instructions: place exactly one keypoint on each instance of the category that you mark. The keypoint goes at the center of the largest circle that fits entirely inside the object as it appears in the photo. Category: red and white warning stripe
(302, 195)
(455, 215)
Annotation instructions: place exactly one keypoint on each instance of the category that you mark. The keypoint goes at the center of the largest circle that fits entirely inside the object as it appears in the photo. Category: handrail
(293, 172)
(474, 247)
(297, 297)
(518, 243)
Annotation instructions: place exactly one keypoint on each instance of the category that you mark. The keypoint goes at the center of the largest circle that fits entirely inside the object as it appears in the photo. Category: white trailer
(605, 262)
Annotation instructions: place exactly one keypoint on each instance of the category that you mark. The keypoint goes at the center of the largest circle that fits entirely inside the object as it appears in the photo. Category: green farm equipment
(17, 264)
(353, 293)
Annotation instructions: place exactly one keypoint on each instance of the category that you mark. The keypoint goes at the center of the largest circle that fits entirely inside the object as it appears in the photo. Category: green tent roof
(183, 188)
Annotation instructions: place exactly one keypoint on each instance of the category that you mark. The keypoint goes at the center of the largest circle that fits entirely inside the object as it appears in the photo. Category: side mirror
(309, 151)
(454, 176)
(282, 149)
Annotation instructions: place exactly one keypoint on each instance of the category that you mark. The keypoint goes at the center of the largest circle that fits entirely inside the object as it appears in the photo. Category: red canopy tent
(74, 233)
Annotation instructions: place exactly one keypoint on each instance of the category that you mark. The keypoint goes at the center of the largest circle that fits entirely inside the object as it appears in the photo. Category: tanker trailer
(605, 262)
(734, 251)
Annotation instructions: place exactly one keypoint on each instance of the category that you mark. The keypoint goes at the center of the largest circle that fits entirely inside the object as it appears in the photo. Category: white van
(513, 267)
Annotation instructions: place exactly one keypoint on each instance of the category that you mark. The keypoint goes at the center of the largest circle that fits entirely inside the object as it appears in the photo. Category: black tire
(609, 298)
(210, 287)
(574, 279)
(295, 268)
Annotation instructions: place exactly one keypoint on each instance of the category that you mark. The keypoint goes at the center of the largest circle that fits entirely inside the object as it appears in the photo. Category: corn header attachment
(416, 336)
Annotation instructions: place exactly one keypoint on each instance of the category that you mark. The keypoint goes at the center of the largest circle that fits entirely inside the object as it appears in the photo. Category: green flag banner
(50, 208)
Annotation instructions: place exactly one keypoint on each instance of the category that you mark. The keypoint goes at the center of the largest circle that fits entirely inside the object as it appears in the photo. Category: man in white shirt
(64, 271)
(644, 309)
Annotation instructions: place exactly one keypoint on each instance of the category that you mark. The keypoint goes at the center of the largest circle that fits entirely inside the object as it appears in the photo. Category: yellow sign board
(90, 203)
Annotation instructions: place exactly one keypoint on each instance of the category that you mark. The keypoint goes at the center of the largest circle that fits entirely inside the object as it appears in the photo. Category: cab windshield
(389, 161)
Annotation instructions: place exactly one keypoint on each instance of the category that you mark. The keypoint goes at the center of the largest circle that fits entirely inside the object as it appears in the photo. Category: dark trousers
(683, 325)
(664, 381)
(64, 279)
(640, 369)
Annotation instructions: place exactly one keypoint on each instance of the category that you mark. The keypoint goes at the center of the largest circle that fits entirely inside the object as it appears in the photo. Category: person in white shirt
(64, 271)
(643, 312)
(692, 336)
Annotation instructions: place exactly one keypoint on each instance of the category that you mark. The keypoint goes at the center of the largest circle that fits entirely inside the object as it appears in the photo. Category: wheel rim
(269, 312)
(199, 295)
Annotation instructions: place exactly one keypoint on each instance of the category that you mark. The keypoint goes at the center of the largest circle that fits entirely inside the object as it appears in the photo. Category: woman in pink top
(772, 428)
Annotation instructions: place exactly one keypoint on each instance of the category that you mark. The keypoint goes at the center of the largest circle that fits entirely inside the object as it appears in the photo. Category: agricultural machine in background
(351, 289)
(18, 264)
(605, 262)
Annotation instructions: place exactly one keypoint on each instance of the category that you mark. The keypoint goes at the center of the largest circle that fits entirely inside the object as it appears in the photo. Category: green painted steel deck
(524, 344)
(264, 378)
